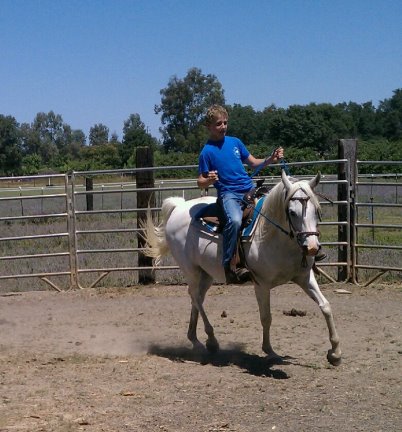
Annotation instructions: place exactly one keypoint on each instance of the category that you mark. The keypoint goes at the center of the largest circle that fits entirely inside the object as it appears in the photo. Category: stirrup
(238, 276)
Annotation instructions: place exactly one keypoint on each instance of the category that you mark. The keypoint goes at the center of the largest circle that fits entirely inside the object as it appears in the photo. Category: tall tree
(314, 126)
(363, 117)
(98, 135)
(114, 139)
(183, 105)
(10, 146)
(30, 140)
(135, 135)
(390, 115)
(243, 123)
(48, 137)
(268, 120)
(50, 131)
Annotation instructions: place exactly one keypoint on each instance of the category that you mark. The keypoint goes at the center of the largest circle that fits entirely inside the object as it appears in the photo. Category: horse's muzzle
(312, 251)
(309, 243)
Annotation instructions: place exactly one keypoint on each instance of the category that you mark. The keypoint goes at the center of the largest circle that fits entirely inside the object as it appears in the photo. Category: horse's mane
(274, 207)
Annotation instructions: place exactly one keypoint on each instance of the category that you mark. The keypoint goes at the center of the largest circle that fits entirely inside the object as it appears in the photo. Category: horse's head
(303, 212)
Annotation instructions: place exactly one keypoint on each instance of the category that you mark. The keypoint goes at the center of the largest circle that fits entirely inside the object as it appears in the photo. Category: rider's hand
(277, 154)
(211, 177)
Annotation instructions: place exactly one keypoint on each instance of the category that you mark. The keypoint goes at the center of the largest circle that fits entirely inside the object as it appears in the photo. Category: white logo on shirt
(236, 152)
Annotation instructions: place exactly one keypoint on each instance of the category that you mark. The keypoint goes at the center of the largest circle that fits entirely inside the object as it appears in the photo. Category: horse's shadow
(250, 363)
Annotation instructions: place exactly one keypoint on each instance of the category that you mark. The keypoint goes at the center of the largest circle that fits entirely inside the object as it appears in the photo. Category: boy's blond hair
(213, 112)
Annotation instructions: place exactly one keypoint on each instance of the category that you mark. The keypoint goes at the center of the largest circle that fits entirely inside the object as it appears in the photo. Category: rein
(292, 233)
(284, 166)
(324, 197)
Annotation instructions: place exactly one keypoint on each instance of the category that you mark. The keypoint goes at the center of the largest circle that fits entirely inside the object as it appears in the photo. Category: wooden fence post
(89, 186)
(347, 149)
(145, 179)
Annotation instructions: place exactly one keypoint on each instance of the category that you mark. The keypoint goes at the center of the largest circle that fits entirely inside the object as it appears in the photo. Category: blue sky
(98, 61)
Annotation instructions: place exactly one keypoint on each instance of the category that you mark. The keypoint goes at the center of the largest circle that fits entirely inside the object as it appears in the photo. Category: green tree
(77, 143)
(31, 164)
(243, 121)
(98, 135)
(30, 139)
(10, 146)
(114, 138)
(183, 105)
(380, 149)
(363, 118)
(50, 131)
(162, 158)
(135, 135)
(48, 137)
(390, 116)
(313, 126)
(267, 121)
(99, 157)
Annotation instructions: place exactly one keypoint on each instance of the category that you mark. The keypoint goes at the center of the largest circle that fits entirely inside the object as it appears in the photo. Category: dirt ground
(118, 360)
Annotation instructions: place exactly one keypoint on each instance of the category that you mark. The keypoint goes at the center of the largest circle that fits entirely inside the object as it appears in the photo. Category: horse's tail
(154, 235)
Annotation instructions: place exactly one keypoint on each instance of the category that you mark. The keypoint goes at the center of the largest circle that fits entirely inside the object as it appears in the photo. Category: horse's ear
(286, 181)
(314, 182)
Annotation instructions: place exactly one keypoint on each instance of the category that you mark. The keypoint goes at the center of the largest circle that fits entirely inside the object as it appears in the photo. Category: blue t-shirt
(226, 157)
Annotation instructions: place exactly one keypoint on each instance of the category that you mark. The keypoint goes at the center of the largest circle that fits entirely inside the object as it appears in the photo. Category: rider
(221, 164)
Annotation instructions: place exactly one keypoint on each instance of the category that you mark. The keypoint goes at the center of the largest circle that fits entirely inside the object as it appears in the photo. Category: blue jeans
(233, 206)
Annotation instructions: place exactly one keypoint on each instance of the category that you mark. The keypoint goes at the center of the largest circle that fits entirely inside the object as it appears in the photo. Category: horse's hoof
(274, 359)
(212, 346)
(334, 359)
(198, 347)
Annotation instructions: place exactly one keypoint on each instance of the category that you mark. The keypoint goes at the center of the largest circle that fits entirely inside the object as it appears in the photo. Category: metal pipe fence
(48, 235)
(378, 205)
(52, 247)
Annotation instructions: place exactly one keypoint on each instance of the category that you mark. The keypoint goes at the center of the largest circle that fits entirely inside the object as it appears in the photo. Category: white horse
(282, 249)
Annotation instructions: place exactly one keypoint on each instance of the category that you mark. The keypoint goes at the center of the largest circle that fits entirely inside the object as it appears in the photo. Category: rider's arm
(273, 158)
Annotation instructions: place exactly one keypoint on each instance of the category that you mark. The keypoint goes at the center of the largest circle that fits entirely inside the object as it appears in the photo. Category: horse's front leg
(312, 289)
(192, 329)
(197, 290)
(263, 295)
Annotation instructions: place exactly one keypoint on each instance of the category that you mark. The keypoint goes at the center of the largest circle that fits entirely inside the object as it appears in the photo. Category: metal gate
(73, 231)
(377, 244)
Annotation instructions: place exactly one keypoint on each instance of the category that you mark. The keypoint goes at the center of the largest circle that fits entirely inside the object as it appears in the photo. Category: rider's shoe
(321, 256)
(238, 276)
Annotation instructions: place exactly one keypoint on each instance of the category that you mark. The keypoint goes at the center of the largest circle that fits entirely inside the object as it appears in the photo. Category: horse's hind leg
(312, 289)
(197, 288)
